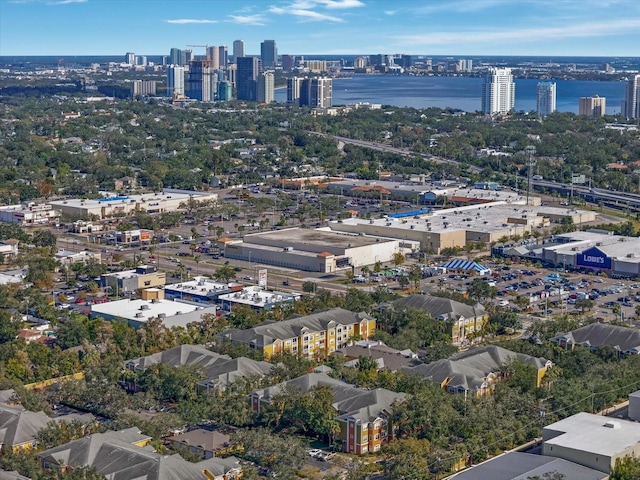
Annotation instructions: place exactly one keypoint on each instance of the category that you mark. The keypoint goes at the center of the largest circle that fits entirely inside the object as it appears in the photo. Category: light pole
(530, 150)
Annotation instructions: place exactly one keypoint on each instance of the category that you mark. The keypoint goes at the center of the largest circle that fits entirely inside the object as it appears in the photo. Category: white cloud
(184, 21)
(390, 12)
(248, 19)
(305, 15)
(533, 34)
(339, 4)
(66, 2)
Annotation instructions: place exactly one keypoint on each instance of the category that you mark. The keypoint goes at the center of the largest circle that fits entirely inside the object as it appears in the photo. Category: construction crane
(200, 46)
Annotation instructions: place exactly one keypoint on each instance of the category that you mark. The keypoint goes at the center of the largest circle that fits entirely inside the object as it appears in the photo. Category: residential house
(115, 456)
(13, 475)
(460, 319)
(364, 415)
(477, 370)
(386, 357)
(624, 340)
(219, 370)
(314, 336)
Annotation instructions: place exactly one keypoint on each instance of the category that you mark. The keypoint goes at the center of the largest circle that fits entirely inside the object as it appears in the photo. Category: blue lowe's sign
(593, 258)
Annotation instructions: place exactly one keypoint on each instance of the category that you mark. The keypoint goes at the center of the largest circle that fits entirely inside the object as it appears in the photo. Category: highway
(609, 198)
(382, 147)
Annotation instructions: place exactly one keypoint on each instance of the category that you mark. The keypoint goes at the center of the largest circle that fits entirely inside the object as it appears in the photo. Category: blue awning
(466, 265)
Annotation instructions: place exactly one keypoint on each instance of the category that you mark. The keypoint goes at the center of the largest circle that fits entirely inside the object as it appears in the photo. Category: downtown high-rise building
(592, 106)
(175, 81)
(176, 57)
(269, 54)
(631, 102)
(223, 56)
(213, 56)
(143, 88)
(247, 78)
(130, 58)
(294, 86)
(203, 81)
(266, 87)
(238, 50)
(288, 62)
(545, 98)
(498, 91)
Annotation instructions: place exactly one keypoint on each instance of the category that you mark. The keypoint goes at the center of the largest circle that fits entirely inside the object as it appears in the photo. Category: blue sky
(429, 27)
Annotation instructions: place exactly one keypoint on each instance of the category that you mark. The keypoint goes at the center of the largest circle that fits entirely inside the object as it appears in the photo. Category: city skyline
(439, 27)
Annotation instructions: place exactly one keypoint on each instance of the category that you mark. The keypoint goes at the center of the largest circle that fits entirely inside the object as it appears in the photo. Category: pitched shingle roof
(266, 333)
(440, 307)
(349, 401)
(622, 339)
(468, 370)
(18, 426)
(115, 458)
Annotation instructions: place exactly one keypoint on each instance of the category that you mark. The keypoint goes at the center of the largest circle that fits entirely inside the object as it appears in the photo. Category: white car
(503, 303)
(314, 452)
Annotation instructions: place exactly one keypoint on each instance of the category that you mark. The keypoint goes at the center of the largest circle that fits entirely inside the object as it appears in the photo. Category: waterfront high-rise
(143, 88)
(266, 87)
(238, 50)
(592, 106)
(294, 86)
(546, 98)
(498, 91)
(247, 77)
(631, 102)
(288, 62)
(130, 58)
(175, 81)
(268, 54)
(315, 92)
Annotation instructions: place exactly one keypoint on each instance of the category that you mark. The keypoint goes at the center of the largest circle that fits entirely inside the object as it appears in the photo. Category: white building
(498, 91)
(256, 298)
(546, 98)
(314, 250)
(29, 214)
(167, 201)
(266, 86)
(591, 440)
(65, 257)
(175, 81)
(631, 102)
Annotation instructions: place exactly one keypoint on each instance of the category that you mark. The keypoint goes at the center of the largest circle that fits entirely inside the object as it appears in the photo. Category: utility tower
(530, 150)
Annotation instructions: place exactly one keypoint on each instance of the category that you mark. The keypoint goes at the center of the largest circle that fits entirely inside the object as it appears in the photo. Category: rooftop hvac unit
(178, 312)
(162, 315)
(138, 315)
(144, 307)
(370, 221)
(413, 227)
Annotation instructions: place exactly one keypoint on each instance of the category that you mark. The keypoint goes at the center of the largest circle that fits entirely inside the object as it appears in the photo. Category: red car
(79, 300)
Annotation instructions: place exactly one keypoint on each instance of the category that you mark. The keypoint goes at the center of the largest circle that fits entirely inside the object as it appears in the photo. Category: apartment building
(314, 336)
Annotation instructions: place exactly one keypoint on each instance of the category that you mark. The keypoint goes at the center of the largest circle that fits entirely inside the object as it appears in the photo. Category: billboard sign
(593, 258)
(262, 277)
(577, 178)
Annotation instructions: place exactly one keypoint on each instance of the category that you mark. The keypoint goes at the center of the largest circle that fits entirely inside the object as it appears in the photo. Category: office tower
(360, 63)
(498, 91)
(294, 85)
(176, 57)
(546, 98)
(212, 57)
(225, 91)
(592, 106)
(238, 50)
(266, 86)
(223, 56)
(143, 88)
(187, 57)
(141, 60)
(130, 58)
(376, 60)
(175, 81)
(268, 54)
(246, 78)
(231, 74)
(316, 92)
(406, 61)
(288, 62)
(631, 102)
(202, 83)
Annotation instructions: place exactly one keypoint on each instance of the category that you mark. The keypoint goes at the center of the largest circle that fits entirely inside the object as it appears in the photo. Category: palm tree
(196, 258)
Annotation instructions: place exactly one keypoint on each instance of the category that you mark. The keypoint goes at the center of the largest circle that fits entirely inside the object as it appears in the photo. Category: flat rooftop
(312, 237)
(587, 432)
(124, 199)
(617, 246)
(144, 310)
(257, 296)
(481, 218)
(200, 286)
